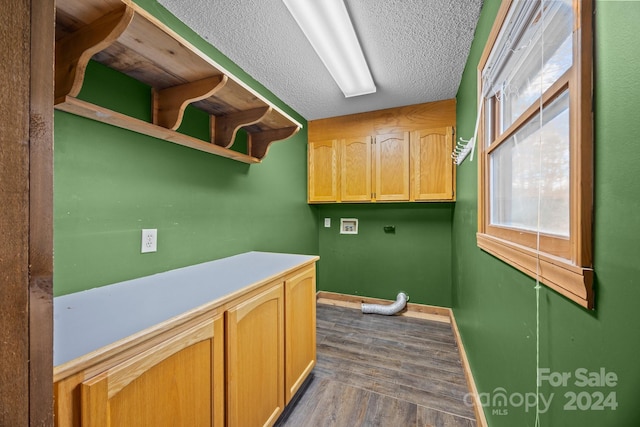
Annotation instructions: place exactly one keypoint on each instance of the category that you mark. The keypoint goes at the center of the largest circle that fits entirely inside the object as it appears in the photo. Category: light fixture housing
(327, 25)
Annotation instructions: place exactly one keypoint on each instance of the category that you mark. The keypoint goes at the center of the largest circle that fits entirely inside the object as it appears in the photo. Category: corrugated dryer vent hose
(387, 310)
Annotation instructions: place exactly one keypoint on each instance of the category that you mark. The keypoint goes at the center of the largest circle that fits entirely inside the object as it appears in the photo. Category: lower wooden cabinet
(255, 359)
(300, 316)
(236, 364)
(176, 383)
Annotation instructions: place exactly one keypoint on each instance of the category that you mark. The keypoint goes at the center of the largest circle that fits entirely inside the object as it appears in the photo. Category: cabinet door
(323, 171)
(392, 167)
(255, 360)
(177, 383)
(300, 328)
(355, 169)
(433, 171)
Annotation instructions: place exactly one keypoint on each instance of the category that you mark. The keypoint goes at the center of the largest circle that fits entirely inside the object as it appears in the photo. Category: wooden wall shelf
(126, 38)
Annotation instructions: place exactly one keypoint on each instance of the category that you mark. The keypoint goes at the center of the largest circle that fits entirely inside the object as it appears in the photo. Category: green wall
(415, 259)
(495, 305)
(111, 183)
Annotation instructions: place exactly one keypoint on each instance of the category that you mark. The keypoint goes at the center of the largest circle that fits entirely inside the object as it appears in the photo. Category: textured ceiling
(416, 49)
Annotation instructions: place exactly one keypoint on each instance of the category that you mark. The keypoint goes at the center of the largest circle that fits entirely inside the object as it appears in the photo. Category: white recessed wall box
(348, 226)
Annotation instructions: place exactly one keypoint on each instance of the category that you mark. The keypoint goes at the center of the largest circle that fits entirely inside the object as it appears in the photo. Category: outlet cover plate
(149, 240)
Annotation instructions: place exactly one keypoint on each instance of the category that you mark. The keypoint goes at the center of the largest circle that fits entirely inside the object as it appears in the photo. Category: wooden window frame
(564, 265)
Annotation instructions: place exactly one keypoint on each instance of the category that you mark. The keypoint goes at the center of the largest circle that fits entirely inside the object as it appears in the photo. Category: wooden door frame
(26, 216)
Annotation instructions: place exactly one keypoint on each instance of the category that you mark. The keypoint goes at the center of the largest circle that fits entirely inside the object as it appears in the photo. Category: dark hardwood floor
(377, 370)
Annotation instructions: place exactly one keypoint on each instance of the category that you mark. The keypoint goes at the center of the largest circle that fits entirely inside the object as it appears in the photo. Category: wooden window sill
(574, 282)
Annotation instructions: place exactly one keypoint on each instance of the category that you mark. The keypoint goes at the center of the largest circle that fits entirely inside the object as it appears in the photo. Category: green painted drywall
(415, 259)
(110, 183)
(495, 305)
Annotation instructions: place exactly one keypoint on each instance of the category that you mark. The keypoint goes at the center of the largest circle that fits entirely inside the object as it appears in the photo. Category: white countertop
(87, 321)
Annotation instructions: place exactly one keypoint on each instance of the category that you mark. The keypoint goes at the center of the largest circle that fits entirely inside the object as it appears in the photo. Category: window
(536, 143)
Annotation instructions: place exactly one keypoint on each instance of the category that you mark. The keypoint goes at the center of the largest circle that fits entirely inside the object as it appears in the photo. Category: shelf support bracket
(224, 128)
(169, 104)
(74, 50)
(259, 142)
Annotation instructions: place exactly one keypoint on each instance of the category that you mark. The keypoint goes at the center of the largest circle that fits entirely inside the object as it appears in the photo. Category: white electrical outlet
(327, 222)
(149, 240)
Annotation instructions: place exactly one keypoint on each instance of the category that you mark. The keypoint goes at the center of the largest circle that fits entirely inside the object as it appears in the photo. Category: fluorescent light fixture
(327, 25)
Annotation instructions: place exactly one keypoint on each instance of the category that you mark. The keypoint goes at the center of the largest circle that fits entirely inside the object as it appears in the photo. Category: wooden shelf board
(104, 115)
(232, 98)
(159, 59)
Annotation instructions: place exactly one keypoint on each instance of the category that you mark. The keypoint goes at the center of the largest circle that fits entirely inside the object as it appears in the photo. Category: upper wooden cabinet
(125, 37)
(323, 171)
(369, 169)
(355, 169)
(392, 167)
(404, 155)
(431, 164)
